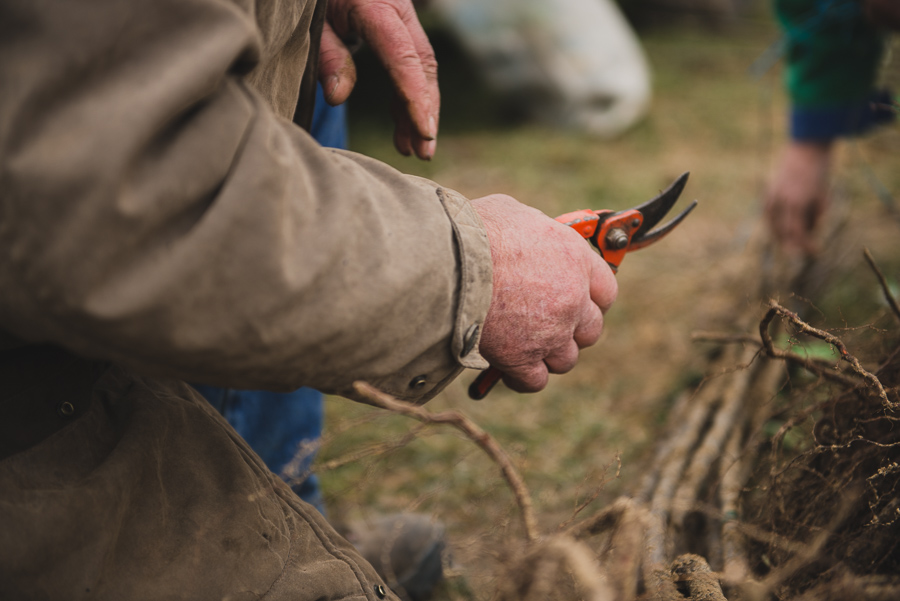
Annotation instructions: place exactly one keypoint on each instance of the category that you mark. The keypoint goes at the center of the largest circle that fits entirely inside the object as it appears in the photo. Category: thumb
(337, 72)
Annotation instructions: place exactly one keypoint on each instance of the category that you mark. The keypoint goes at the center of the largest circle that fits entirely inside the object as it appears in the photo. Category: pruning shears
(613, 233)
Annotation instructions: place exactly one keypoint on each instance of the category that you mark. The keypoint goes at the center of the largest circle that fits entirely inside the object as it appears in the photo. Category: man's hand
(392, 29)
(550, 292)
(798, 195)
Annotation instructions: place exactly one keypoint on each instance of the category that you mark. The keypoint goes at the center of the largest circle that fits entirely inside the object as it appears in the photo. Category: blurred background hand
(798, 195)
(392, 29)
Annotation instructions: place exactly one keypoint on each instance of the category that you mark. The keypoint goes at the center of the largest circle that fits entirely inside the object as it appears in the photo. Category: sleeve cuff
(476, 273)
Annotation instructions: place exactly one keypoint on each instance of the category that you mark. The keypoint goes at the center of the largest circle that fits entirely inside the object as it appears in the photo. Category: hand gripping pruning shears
(613, 233)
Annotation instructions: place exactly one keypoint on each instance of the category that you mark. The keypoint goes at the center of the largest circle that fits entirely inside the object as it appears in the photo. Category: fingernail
(331, 86)
(430, 147)
(432, 128)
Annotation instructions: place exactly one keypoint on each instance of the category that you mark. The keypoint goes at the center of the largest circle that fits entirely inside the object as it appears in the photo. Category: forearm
(159, 214)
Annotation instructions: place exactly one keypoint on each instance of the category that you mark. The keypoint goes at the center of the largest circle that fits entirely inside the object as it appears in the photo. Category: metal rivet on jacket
(379, 590)
(418, 382)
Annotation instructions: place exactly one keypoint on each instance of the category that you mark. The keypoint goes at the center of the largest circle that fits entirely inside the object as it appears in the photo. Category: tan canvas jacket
(159, 210)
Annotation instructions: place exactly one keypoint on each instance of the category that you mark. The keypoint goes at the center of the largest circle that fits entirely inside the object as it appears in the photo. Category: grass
(588, 433)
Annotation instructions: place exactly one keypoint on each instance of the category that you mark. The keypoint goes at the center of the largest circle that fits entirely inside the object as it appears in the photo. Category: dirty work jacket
(158, 209)
(162, 220)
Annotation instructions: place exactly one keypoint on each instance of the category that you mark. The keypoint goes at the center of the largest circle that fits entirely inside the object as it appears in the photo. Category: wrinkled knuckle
(407, 59)
(331, 60)
(429, 64)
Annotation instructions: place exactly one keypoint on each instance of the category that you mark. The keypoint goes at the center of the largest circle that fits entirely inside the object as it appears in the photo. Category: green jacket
(833, 55)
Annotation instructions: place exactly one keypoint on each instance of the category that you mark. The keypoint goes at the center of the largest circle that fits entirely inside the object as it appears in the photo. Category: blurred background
(705, 95)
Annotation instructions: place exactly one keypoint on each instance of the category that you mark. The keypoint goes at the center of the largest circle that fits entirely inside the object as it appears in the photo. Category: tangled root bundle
(778, 479)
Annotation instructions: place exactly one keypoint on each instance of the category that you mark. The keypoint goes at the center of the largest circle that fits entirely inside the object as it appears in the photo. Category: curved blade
(655, 209)
(648, 238)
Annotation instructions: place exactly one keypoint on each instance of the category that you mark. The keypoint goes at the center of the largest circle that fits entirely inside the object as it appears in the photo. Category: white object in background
(574, 63)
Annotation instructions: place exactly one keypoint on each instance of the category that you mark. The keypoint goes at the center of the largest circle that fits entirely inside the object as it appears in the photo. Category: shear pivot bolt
(617, 239)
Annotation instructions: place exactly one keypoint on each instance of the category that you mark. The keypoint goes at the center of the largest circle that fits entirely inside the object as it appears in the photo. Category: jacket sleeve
(156, 212)
(833, 57)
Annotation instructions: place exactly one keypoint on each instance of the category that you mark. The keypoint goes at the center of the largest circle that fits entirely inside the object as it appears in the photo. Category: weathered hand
(392, 29)
(798, 195)
(550, 292)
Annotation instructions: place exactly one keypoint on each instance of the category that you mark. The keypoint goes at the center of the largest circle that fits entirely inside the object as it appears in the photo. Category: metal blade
(646, 239)
(655, 209)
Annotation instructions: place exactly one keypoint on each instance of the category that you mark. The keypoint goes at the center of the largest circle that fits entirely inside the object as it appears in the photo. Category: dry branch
(372, 396)
(809, 553)
(368, 451)
(538, 573)
(777, 309)
(671, 466)
(817, 366)
(579, 560)
(892, 302)
(724, 422)
(733, 473)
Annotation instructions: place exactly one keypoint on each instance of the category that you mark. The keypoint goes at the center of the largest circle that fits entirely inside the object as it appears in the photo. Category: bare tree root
(729, 509)
(551, 568)
(693, 576)
(816, 366)
(777, 309)
(709, 451)
(678, 448)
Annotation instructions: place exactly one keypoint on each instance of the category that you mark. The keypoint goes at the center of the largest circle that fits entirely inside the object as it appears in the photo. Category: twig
(671, 466)
(580, 561)
(375, 449)
(596, 492)
(884, 285)
(735, 473)
(724, 421)
(678, 416)
(816, 366)
(601, 521)
(732, 474)
(538, 573)
(376, 398)
(812, 550)
(775, 308)
(820, 367)
(624, 557)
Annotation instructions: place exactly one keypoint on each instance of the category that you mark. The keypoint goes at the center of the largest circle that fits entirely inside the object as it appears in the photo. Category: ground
(592, 431)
